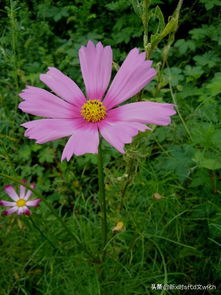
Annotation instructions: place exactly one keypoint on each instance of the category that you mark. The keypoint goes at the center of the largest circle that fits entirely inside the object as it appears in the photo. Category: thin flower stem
(177, 109)
(145, 19)
(50, 207)
(14, 32)
(102, 195)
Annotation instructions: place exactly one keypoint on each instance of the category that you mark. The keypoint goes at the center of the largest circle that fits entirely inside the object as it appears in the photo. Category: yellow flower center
(21, 203)
(93, 110)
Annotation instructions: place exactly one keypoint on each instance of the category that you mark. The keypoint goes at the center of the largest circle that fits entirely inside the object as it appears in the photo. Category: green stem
(145, 20)
(177, 109)
(14, 32)
(102, 195)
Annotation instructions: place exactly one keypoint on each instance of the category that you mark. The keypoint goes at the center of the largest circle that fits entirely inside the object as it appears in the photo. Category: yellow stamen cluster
(93, 110)
(21, 203)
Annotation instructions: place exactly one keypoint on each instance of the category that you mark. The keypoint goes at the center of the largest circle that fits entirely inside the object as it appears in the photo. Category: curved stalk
(102, 195)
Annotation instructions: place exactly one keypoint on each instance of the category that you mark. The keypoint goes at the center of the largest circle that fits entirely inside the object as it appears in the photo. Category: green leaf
(180, 160)
(185, 45)
(137, 6)
(157, 13)
(174, 75)
(24, 152)
(216, 139)
(211, 3)
(215, 85)
(118, 5)
(46, 155)
(202, 134)
(170, 27)
(209, 59)
(209, 163)
(193, 72)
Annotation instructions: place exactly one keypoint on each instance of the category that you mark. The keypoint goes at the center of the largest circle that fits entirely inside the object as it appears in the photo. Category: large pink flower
(70, 113)
(20, 202)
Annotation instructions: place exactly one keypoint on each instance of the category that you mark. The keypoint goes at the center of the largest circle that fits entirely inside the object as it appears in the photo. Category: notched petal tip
(134, 50)
(90, 43)
(20, 94)
(108, 47)
(151, 73)
(99, 44)
(65, 157)
(52, 69)
(23, 125)
(21, 105)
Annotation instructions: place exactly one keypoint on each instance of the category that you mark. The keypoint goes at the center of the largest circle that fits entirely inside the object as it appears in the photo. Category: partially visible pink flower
(20, 202)
(84, 118)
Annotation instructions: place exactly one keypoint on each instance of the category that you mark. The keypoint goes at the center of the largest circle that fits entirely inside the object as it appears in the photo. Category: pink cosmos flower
(20, 202)
(70, 113)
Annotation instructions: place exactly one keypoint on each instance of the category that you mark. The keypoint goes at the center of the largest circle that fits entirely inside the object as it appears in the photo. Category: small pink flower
(70, 113)
(20, 203)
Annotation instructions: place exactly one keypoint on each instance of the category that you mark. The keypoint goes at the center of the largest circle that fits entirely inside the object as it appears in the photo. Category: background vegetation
(173, 237)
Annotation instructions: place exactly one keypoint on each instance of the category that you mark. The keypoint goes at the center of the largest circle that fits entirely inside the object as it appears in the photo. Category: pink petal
(134, 74)
(22, 191)
(96, 66)
(63, 86)
(40, 102)
(29, 192)
(119, 133)
(9, 190)
(50, 129)
(144, 112)
(9, 211)
(7, 204)
(26, 211)
(20, 210)
(84, 140)
(33, 203)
